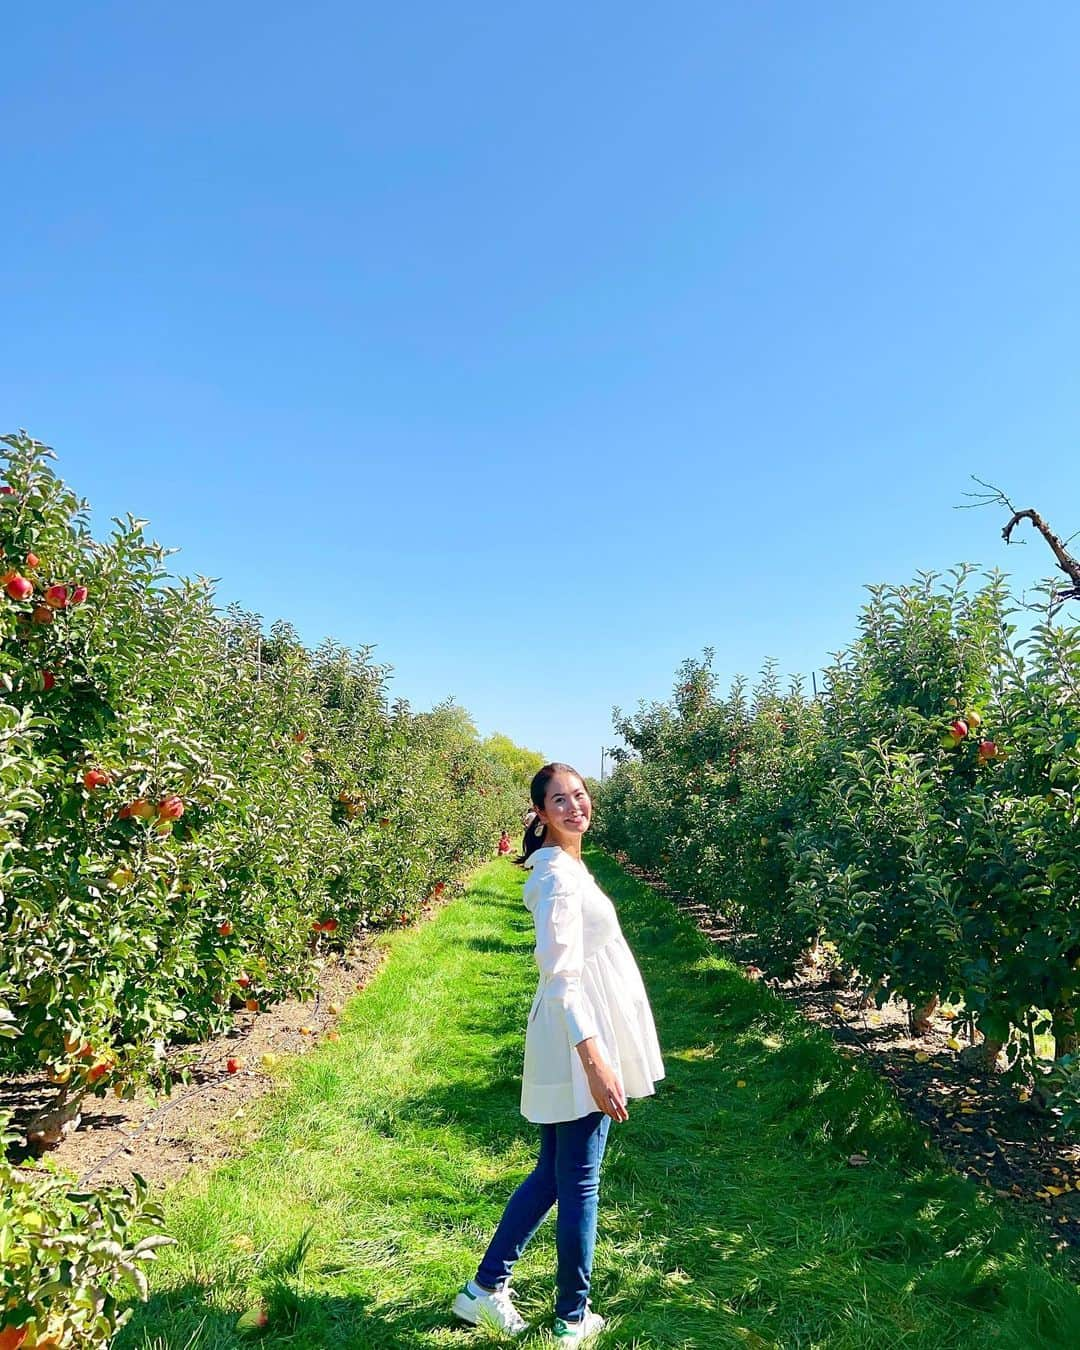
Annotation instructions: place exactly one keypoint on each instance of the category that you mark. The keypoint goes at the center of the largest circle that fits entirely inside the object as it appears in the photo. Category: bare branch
(993, 496)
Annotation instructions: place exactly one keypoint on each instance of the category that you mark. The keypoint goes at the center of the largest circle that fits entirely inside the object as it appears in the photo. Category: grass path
(729, 1213)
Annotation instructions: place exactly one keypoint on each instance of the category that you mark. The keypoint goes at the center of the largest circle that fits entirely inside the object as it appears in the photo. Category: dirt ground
(978, 1120)
(205, 1119)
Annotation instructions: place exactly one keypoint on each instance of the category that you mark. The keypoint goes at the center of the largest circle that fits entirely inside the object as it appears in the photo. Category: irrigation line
(150, 1119)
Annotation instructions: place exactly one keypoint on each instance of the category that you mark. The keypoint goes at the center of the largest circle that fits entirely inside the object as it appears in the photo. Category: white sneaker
(571, 1332)
(479, 1308)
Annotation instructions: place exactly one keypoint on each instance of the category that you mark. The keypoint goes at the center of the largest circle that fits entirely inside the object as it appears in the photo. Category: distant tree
(520, 763)
(451, 718)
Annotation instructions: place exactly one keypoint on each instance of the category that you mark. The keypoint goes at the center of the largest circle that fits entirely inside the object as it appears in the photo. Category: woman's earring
(538, 829)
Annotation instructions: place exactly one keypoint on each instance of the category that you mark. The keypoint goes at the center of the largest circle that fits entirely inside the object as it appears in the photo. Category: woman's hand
(605, 1087)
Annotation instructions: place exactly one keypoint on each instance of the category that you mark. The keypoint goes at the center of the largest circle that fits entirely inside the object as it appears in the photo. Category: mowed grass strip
(729, 1213)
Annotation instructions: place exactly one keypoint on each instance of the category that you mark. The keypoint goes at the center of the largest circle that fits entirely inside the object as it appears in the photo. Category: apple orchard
(916, 824)
(194, 814)
(197, 813)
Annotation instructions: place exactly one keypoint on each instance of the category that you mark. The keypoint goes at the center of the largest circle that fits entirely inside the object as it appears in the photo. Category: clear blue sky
(543, 346)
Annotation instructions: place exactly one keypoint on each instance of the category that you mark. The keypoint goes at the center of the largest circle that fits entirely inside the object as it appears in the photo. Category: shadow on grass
(490, 944)
(301, 1320)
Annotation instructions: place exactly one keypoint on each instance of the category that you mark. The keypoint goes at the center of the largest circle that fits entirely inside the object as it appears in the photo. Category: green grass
(729, 1215)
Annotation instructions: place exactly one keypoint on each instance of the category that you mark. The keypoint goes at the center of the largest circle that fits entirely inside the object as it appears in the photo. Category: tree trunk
(985, 1057)
(53, 1122)
(869, 999)
(840, 977)
(920, 1018)
(1066, 1037)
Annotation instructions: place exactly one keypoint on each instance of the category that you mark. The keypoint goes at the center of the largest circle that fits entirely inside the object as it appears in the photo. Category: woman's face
(567, 808)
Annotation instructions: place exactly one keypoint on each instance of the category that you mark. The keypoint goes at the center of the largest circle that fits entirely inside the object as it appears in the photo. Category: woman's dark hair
(537, 793)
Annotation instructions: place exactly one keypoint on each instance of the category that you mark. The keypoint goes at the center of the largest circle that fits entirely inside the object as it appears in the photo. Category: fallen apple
(255, 1319)
(234, 1065)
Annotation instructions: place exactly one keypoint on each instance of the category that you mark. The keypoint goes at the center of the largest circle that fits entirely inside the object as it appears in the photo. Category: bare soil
(977, 1119)
(205, 1119)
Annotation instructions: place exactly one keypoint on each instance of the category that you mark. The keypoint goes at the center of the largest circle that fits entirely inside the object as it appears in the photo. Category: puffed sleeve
(560, 954)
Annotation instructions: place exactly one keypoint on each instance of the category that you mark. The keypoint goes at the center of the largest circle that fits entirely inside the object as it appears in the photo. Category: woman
(590, 1045)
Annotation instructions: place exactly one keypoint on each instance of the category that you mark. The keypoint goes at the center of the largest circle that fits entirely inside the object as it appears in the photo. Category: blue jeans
(567, 1172)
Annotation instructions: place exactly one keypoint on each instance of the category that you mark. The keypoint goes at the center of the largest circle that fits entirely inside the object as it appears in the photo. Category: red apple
(6, 490)
(57, 597)
(32, 560)
(12, 1337)
(225, 929)
(252, 1005)
(41, 614)
(140, 808)
(244, 981)
(170, 807)
(48, 680)
(329, 925)
(97, 1070)
(78, 595)
(959, 728)
(18, 587)
(987, 750)
(233, 1065)
(95, 778)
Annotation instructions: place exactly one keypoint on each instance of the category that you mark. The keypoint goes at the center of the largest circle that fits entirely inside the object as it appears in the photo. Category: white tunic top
(589, 986)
